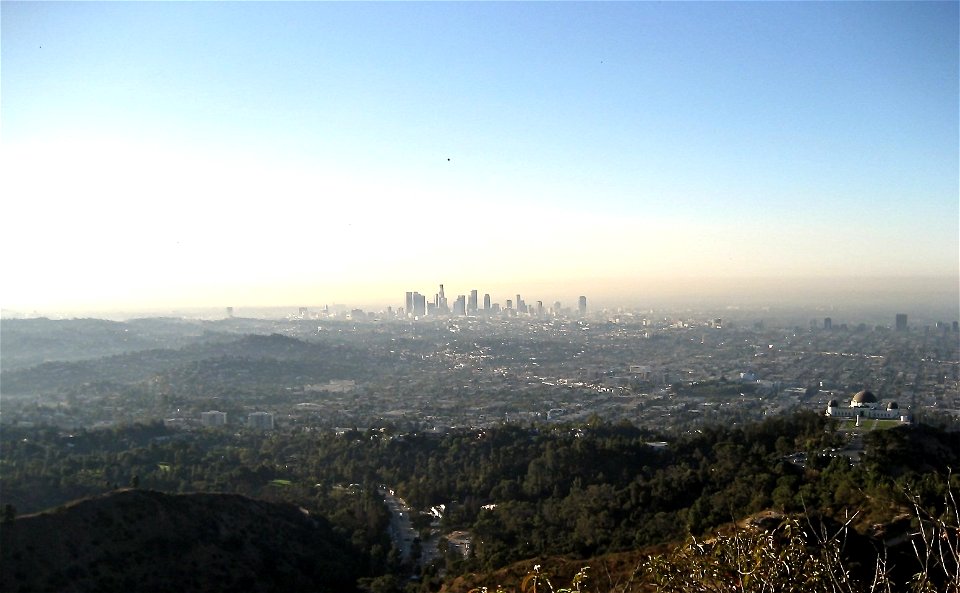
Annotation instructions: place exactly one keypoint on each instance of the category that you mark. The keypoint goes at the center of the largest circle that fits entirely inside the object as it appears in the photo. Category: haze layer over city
(447, 297)
(161, 158)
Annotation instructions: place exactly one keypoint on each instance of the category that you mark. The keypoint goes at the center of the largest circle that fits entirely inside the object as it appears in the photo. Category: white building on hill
(864, 405)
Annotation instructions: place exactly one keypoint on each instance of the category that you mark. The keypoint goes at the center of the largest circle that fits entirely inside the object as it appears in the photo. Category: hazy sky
(171, 154)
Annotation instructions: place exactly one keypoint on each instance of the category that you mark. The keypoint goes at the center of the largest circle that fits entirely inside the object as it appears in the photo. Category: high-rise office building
(901, 322)
(582, 306)
(472, 303)
(408, 310)
(419, 304)
(434, 306)
(442, 306)
(486, 302)
(460, 305)
(827, 323)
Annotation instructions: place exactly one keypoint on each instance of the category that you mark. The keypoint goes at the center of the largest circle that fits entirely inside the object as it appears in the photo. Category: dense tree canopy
(523, 491)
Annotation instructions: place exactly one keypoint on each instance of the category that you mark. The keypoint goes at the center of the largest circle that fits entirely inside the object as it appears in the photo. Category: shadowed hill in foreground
(141, 540)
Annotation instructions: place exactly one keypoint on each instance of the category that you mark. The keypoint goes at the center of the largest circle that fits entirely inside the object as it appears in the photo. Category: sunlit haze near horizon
(169, 155)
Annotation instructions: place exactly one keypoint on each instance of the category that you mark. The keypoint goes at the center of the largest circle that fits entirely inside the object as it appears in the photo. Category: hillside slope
(141, 540)
(29, 342)
(225, 362)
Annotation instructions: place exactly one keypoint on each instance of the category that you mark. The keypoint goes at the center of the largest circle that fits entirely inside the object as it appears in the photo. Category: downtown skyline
(161, 156)
(418, 305)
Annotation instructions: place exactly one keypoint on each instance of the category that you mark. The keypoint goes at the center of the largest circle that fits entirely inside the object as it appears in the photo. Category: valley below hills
(615, 454)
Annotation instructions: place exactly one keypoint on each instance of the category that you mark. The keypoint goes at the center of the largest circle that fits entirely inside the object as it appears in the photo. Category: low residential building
(213, 418)
(261, 420)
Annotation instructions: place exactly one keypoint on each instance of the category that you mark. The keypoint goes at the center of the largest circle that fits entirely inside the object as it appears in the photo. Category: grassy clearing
(866, 425)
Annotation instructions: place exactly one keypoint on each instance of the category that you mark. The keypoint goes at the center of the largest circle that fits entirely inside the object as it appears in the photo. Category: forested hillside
(522, 491)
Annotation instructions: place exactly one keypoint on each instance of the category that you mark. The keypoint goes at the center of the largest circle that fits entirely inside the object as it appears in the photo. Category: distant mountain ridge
(142, 540)
(312, 360)
(29, 342)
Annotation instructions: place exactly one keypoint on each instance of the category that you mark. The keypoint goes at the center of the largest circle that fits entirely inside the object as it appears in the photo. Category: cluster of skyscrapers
(900, 324)
(416, 306)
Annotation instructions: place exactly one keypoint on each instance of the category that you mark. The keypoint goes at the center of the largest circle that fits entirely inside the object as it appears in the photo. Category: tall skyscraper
(460, 305)
(582, 306)
(419, 304)
(472, 303)
(442, 302)
(901, 322)
(827, 323)
(486, 302)
(408, 308)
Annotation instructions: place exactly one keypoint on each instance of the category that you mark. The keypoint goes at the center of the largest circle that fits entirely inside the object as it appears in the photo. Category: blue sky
(275, 153)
